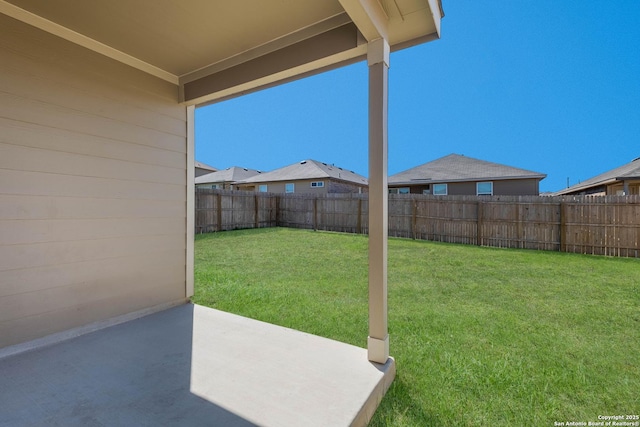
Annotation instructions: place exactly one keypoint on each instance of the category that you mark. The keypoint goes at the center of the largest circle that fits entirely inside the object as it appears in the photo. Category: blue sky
(549, 86)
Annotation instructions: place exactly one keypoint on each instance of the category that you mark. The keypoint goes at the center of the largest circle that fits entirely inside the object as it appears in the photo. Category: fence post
(479, 225)
(278, 196)
(413, 219)
(520, 238)
(359, 223)
(219, 212)
(315, 213)
(257, 211)
(563, 227)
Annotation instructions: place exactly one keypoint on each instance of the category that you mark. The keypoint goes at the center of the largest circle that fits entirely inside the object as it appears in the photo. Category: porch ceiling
(187, 40)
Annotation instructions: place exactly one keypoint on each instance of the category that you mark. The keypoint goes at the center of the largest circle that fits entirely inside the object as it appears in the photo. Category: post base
(378, 350)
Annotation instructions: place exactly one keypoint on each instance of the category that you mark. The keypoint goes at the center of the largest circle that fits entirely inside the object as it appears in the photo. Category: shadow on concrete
(134, 374)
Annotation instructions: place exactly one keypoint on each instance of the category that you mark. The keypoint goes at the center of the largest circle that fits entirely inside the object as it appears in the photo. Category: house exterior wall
(618, 188)
(461, 188)
(509, 187)
(346, 187)
(200, 171)
(216, 186)
(303, 186)
(517, 187)
(93, 187)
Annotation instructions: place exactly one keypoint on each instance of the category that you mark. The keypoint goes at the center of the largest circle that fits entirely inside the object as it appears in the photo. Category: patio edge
(373, 401)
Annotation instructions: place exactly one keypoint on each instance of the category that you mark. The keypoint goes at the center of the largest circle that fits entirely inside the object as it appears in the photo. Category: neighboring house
(623, 180)
(460, 175)
(307, 176)
(203, 168)
(225, 179)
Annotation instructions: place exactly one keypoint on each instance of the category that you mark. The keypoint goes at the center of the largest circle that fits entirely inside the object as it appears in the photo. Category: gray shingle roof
(308, 169)
(231, 174)
(456, 167)
(630, 170)
(201, 165)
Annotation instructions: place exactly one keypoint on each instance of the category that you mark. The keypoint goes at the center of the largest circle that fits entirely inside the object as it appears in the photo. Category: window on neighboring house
(440, 189)
(401, 190)
(316, 184)
(289, 187)
(484, 188)
(262, 188)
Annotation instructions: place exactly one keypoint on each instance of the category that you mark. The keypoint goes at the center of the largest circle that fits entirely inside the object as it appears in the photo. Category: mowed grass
(481, 336)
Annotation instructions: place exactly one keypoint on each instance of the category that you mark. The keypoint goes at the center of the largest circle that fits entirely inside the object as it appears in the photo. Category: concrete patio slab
(192, 365)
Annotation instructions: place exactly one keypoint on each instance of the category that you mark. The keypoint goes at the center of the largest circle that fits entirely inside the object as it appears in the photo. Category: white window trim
(293, 185)
(317, 184)
(484, 194)
(446, 189)
(266, 188)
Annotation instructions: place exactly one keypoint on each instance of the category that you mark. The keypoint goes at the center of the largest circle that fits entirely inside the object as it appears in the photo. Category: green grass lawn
(481, 336)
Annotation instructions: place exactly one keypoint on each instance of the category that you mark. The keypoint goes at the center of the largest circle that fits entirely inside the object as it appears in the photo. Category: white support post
(378, 60)
(190, 205)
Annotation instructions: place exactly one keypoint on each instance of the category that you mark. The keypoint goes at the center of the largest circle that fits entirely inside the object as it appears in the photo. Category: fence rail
(608, 225)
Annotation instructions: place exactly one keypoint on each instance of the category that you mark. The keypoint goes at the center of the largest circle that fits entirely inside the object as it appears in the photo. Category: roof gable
(456, 167)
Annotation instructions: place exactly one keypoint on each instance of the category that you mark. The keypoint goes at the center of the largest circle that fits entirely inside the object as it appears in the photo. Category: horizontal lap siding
(92, 187)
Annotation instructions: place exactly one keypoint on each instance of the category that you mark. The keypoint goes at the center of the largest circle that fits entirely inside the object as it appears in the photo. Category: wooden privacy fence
(608, 225)
(219, 210)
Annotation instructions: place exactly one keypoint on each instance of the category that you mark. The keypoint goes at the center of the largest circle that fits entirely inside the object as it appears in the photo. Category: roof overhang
(214, 50)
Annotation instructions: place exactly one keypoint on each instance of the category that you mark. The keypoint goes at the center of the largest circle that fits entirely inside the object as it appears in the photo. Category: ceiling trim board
(84, 41)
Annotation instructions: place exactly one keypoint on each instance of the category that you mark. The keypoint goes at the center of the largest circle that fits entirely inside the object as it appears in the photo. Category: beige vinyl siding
(272, 187)
(93, 178)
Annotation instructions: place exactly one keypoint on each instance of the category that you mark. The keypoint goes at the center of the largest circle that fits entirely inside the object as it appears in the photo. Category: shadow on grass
(400, 408)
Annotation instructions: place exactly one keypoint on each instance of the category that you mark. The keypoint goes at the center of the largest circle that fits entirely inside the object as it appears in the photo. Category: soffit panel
(180, 36)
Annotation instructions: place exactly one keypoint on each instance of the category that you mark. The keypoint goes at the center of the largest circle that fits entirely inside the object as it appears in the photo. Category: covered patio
(192, 365)
(97, 106)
